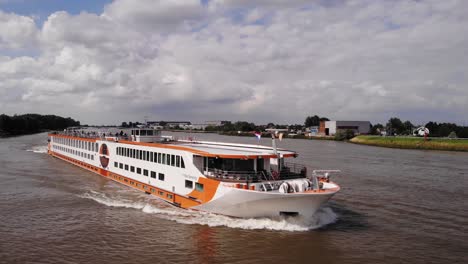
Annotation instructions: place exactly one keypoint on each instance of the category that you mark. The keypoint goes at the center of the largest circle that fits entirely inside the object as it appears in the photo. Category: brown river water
(395, 206)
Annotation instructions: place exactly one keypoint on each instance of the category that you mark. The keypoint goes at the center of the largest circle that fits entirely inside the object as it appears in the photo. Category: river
(395, 206)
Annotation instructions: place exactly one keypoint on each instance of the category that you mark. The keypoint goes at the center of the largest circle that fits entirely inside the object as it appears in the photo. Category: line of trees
(396, 126)
(33, 123)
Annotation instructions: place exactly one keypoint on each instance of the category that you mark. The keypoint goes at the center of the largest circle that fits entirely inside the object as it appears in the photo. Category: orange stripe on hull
(171, 197)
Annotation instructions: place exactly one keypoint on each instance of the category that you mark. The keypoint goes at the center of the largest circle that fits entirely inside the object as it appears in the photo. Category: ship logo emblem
(104, 151)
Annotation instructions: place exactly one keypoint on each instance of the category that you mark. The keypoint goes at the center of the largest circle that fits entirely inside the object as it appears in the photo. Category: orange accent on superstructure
(209, 190)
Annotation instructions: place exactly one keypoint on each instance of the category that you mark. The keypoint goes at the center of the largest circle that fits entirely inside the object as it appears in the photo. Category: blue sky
(43, 8)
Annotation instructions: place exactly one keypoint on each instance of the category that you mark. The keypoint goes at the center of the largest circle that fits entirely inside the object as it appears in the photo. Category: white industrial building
(330, 128)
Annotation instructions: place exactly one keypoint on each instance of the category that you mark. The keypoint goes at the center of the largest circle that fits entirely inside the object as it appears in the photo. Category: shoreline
(413, 143)
(4, 134)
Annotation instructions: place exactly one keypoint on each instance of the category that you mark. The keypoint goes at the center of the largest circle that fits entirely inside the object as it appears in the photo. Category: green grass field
(413, 143)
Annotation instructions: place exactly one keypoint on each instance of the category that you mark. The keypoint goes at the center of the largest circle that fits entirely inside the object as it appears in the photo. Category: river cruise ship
(237, 180)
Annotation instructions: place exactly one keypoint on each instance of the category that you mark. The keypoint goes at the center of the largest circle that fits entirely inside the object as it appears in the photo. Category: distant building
(217, 123)
(330, 128)
(205, 124)
(170, 124)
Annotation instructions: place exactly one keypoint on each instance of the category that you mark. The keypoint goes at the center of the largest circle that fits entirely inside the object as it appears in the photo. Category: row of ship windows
(152, 174)
(86, 145)
(140, 171)
(74, 152)
(156, 157)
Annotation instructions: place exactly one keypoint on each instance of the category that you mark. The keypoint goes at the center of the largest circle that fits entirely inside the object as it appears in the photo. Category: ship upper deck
(222, 149)
(201, 148)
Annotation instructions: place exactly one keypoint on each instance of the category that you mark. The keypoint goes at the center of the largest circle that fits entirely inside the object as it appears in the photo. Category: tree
(376, 129)
(312, 121)
(395, 126)
(408, 128)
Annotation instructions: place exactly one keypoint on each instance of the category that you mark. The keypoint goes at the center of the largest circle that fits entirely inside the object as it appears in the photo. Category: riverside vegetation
(413, 142)
(32, 123)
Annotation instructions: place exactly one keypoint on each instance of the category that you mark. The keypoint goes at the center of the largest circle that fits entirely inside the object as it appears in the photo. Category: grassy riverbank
(413, 143)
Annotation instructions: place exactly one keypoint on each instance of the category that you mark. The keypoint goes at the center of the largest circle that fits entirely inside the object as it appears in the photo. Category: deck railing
(238, 176)
(291, 170)
(288, 171)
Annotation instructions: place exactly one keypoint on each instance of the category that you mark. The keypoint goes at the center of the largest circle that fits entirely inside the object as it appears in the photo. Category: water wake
(38, 149)
(163, 210)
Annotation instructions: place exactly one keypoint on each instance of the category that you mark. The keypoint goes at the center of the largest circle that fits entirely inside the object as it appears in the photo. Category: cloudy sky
(104, 62)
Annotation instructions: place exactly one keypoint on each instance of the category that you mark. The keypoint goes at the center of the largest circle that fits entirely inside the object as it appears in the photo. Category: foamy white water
(38, 149)
(163, 210)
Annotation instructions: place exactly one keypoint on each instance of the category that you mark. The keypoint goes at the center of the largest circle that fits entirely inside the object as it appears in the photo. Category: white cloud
(16, 31)
(260, 61)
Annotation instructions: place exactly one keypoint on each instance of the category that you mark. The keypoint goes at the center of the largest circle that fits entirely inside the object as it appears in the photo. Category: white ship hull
(251, 204)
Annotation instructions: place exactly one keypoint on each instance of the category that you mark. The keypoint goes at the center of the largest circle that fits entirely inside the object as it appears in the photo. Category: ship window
(139, 170)
(161, 176)
(169, 196)
(145, 172)
(153, 174)
(160, 193)
(177, 161)
(143, 133)
(141, 154)
(168, 159)
(163, 159)
(116, 164)
(172, 160)
(132, 168)
(199, 187)
(182, 164)
(120, 165)
(133, 153)
(151, 189)
(96, 147)
(147, 155)
(150, 132)
(188, 184)
(126, 167)
(137, 132)
(159, 157)
(151, 156)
